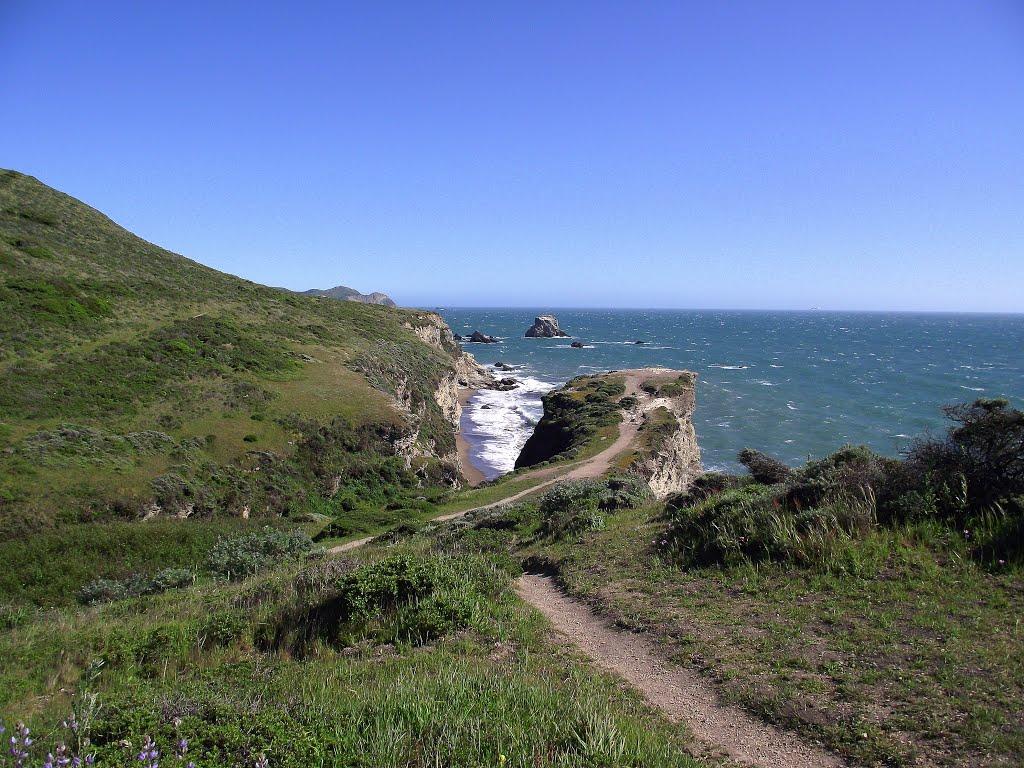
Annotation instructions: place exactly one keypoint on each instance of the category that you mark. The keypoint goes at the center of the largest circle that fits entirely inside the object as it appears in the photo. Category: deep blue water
(794, 384)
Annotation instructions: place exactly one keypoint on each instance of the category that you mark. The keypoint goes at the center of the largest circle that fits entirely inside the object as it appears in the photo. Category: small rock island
(545, 327)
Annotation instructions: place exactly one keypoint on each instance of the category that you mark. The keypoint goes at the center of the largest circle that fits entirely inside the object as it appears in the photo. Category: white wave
(729, 367)
(765, 383)
(973, 389)
(791, 406)
(497, 424)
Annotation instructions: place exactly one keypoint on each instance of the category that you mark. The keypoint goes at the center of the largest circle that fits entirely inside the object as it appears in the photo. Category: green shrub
(240, 556)
(985, 448)
(102, 591)
(625, 492)
(763, 468)
(572, 507)
(751, 524)
(107, 590)
(400, 598)
(576, 506)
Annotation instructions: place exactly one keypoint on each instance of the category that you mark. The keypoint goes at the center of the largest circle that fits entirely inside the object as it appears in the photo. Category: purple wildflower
(149, 755)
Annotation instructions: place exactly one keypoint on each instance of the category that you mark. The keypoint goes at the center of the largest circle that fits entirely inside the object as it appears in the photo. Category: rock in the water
(457, 336)
(638, 341)
(504, 385)
(577, 345)
(482, 338)
(485, 407)
(545, 327)
(504, 366)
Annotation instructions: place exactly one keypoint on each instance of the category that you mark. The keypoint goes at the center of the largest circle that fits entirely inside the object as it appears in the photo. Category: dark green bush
(763, 468)
(985, 448)
(575, 506)
(400, 598)
(846, 473)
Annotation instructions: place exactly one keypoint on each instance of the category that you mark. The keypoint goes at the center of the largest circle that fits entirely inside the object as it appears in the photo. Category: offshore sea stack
(545, 327)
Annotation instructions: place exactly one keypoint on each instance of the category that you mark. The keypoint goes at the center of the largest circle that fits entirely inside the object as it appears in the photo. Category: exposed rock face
(504, 385)
(668, 456)
(465, 372)
(577, 345)
(481, 338)
(545, 327)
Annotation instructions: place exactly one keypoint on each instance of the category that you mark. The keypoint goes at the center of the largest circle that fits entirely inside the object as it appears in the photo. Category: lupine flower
(262, 762)
(149, 755)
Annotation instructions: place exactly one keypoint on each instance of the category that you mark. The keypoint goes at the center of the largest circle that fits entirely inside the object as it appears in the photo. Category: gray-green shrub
(242, 555)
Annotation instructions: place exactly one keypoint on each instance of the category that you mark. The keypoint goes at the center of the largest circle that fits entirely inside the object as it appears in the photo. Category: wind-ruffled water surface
(793, 384)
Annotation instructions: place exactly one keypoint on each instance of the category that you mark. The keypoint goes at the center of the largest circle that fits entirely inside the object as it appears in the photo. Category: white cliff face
(433, 330)
(669, 461)
(463, 372)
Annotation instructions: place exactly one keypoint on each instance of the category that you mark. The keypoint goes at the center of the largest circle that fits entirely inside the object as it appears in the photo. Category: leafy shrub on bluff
(704, 486)
(750, 524)
(983, 451)
(848, 473)
(237, 557)
(576, 506)
(763, 468)
(400, 598)
(971, 480)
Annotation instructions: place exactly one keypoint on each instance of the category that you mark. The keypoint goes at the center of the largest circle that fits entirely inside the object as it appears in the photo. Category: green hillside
(134, 380)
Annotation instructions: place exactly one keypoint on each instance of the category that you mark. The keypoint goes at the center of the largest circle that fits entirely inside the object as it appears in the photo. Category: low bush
(575, 506)
(749, 524)
(764, 468)
(400, 598)
(107, 590)
(237, 557)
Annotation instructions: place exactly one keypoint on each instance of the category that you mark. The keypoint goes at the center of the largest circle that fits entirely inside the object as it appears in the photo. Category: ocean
(793, 384)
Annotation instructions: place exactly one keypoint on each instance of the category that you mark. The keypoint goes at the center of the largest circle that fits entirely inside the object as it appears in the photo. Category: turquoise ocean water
(794, 384)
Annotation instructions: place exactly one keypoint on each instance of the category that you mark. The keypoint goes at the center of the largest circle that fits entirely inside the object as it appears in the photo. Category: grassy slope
(130, 374)
(466, 698)
(921, 654)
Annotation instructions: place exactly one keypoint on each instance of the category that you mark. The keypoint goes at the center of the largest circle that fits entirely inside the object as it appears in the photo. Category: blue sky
(848, 155)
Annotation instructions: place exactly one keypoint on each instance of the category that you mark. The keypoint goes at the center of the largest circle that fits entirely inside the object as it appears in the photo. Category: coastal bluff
(651, 407)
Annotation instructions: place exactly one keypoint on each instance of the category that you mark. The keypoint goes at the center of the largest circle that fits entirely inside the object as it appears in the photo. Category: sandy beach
(473, 475)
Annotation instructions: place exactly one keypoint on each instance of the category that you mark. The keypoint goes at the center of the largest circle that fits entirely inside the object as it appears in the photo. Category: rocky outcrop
(655, 404)
(577, 345)
(481, 338)
(545, 327)
(667, 455)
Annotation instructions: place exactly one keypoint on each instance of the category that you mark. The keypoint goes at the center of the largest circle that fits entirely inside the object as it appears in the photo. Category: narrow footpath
(683, 695)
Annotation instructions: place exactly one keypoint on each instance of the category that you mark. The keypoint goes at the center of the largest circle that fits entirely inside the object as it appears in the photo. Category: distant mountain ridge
(344, 293)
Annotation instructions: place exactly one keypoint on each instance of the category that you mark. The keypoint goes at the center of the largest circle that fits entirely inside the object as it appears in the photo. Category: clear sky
(689, 154)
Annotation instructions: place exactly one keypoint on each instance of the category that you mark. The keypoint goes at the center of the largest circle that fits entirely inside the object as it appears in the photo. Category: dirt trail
(683, 695)
(595, 466)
